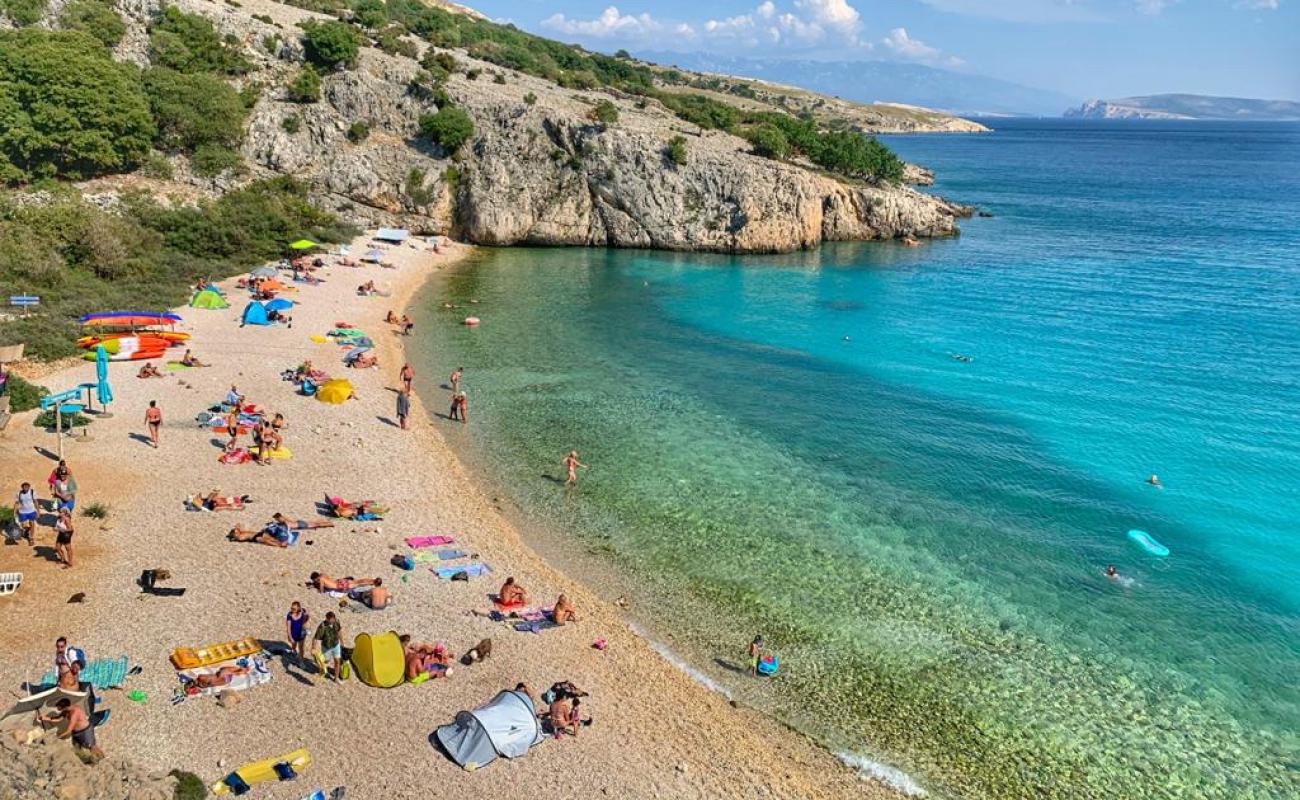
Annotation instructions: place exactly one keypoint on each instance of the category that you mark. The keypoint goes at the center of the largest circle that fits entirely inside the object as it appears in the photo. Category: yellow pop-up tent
(378, 659)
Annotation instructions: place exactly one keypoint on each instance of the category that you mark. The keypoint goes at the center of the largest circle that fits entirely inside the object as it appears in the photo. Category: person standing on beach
(63, 531)
(65, 489)
(153, 421)
(403, 405)
(77, 726)
(295, 630)
(571, 464)
(27, 510)
(755, 653)
(327, 641)
(407, 375)
(455, 379)
(407, 325)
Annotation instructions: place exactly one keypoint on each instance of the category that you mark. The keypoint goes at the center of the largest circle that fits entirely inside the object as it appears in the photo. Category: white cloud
(613, 24)
(903, 45)
(837, 14)
(1259, 5)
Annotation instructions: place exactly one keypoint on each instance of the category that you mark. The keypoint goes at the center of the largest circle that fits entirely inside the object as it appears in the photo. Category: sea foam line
(679, 662)
(893, 777)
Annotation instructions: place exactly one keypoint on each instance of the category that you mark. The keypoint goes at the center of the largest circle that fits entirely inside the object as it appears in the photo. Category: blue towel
(448, 555)
(473, 570)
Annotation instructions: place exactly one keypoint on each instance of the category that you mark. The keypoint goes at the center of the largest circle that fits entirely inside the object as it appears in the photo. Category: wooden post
(58, 426)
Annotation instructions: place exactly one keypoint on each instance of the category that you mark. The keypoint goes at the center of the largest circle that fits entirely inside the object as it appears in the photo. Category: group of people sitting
(404, 321)
(362, 360)
(563, 703)
(512, 595)
(279, 532)
(367, 591)
(425, 659)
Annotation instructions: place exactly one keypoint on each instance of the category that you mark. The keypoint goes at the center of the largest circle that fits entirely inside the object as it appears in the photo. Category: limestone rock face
(538, 170)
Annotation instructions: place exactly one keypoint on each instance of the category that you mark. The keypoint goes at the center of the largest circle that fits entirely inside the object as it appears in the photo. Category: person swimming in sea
(1154, 480)
(962, 358)
(1110, 571)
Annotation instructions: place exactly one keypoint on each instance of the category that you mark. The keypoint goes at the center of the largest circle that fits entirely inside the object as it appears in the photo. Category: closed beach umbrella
(265, 271)
(103, 391)
(304, 244)
(335, 391)
(279, 304)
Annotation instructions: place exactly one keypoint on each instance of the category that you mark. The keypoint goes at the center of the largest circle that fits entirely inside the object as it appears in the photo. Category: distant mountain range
(1187, 106)
(884, 82)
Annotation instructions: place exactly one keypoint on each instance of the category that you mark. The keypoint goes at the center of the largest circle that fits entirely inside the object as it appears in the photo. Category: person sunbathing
(391, 318)
(190, 360)
(216, 501)
(324, 583)
(364, 508)
(274, 535)
(564, 611)
(148, 371)
(364, 361)
(512, 594)
(559, 714)
(303, 524)
(221, 677)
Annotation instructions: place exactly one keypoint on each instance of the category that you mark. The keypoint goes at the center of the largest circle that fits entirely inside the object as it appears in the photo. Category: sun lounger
(472, 570)
(190, 658)
(102, 673)
(10, 581)
(418, 542)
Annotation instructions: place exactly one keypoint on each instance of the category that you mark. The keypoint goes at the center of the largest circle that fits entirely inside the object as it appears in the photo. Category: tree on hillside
(67, 109)
(769, 141)
(193, 110)
(450, 128)
(95, 17)
(330, 44)
(189, 43)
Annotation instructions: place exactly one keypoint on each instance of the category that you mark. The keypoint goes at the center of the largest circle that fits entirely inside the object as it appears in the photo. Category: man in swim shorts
(76, 726)
(327, 642)
(28, 512)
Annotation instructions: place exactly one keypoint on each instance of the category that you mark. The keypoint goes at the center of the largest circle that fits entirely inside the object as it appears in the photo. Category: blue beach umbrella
(103, 391)
(279, 304)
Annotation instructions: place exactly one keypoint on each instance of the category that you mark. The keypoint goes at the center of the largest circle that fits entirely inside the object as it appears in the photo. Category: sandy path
(657, 733)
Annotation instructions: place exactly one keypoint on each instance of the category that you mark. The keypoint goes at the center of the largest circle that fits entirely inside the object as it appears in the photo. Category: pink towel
(428, 541)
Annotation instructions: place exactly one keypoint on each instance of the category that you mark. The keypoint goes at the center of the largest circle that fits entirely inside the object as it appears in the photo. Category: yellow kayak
(264, 771)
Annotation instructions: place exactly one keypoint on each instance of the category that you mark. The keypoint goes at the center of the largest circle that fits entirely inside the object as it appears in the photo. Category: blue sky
(1086, 48)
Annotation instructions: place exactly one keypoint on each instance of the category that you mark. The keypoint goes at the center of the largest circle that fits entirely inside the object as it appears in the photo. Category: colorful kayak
(137, 319)
(138, 355)
(1148, 544)
(281, 768)
(100, 338)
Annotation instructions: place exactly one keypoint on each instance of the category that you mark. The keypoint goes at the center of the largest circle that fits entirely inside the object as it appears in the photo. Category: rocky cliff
(1187, 106)
(538, 170)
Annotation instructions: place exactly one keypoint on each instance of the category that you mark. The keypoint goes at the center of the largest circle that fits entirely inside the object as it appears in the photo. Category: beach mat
(258, 674)
(473, 570)
(428, 541)
(102, 673)
(536, 626)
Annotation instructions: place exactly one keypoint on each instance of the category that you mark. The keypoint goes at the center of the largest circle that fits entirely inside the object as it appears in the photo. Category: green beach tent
(304, 244)
(208, 299)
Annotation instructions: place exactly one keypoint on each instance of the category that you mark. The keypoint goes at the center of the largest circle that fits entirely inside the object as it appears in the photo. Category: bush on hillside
(189, 43)
(675, 152)
(94, 17)
(769, 141)
(331, 44)
(358, 132)
(24, 12)
(67, 109)
(371, 14)
(193, 110)
(23, 396)
(305, 87)
(211, 160)
(605, 112)
(450, 128)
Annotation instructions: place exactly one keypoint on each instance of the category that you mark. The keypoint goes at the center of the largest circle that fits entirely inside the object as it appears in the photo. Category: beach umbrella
(304, 244)
(373, 255)
(279, 304)
(103, 390)
(335, 391)
(265, 271)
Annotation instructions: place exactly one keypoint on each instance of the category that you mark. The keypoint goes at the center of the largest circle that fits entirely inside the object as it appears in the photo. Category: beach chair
(10, 581)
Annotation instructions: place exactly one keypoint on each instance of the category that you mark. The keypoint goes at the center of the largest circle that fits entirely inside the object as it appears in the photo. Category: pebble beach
(655, 732)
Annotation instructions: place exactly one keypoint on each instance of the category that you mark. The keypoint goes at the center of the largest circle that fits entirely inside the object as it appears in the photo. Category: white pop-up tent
(506, 726)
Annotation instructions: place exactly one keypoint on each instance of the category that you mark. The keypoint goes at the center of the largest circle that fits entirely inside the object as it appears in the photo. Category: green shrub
(193, 110)
(93, 17)
(265, 18)
(24, 12)
(391, 42)
(45, 419)
(291, 124)
(250, 94)
(500, 78)
(8, 516)
(416, 190)
(434, 60)
(305, 87)
(331, 44)
(451, 176)
(23, 396)
(211, 160)
(530, 99)
(450, 128)
(156, 165)
(371, 14)
(473, 74)
(769, 141)
(358, 132)
(271, 43)
(675, 152)
(67, 109)
(188, 786)
(605, 112)
(189, 43)
(95, 510)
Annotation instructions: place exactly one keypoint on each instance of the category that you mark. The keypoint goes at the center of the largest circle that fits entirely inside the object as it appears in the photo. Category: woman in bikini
(324, 583)
(571, 464)
(512, 594)
(563, 611)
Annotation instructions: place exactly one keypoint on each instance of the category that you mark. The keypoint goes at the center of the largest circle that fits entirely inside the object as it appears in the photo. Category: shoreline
(658, 732)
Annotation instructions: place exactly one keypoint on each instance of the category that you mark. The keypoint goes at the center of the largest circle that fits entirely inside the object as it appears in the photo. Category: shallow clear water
(786, 445)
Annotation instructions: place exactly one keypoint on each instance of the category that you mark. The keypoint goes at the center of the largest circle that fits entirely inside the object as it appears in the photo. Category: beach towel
(500, 606)
(102, 673)
(534, 626)
(238, 456)
(176, 366)
(451, 555)
(428, 541)
(259, 672)
(472, 570)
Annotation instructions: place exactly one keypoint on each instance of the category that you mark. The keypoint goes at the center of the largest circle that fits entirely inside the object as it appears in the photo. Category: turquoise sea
(786, 445)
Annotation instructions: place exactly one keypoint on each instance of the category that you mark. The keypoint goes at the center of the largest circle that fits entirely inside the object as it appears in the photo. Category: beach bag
(403, 562)
(345, 671)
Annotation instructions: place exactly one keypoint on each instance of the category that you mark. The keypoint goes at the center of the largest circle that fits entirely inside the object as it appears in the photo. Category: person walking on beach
(295, 630)
(455, 379)
(327, 640)
(63, 531)
(571, 465)
(407, 375)
(459, 407)
(153, 421)
(27, 510)
(65, 488)
(407, 325)
(755, 653)
(403, 405)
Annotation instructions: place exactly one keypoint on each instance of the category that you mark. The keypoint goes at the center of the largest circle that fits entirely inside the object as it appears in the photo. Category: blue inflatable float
(1148, 544)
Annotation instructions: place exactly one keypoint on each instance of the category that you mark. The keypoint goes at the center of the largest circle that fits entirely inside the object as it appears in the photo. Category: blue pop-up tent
(255, 314)
(279, 304)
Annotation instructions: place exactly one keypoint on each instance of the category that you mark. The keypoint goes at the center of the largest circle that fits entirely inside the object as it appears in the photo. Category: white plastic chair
(10, 581)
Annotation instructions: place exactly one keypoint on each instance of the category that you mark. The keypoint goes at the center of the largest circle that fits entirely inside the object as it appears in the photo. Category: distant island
(1187, 106)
